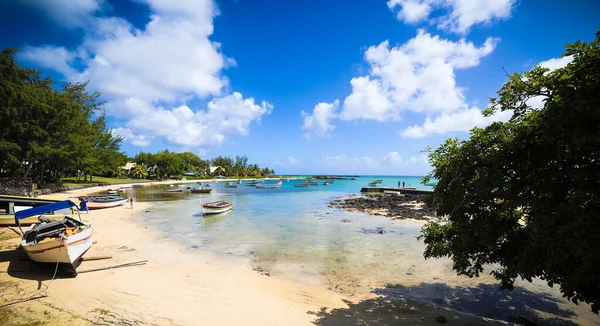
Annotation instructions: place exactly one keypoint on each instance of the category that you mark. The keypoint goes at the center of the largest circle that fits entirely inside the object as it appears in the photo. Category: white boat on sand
(97, 202)
(216, 207)
(56, 241)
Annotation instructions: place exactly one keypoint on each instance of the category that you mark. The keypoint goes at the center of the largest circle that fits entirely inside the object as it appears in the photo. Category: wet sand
(179, 286)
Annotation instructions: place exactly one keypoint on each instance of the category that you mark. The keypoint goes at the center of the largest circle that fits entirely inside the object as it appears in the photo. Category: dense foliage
(525, 195)
(166, 164)
(47, 133)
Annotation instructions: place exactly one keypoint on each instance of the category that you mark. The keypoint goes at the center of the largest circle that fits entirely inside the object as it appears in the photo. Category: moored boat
(175, 190)
(201, 190)
(268, 185)
(98, 202)
(305, 185)
(216, 207)
(326, 183)
(56, 241)
(231, 185)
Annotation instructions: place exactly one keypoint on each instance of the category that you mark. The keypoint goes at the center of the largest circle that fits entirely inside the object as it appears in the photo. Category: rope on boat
(39, 293)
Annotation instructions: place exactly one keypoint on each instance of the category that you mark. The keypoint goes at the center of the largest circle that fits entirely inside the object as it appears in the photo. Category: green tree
(139, 171)
(241, 165)
(525, 194)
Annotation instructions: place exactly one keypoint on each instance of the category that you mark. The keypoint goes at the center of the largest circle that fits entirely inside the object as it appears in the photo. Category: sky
(300, 86)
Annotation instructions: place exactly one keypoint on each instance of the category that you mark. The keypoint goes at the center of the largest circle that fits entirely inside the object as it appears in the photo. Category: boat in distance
(216, 207)
(62, 242)
(268, 185)
(231, 185)
(201, 190)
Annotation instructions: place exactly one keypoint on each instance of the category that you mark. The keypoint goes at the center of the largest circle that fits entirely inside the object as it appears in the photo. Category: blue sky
(347, 87)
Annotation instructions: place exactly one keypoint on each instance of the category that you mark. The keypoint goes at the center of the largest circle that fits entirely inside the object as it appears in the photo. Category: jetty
(395, 190)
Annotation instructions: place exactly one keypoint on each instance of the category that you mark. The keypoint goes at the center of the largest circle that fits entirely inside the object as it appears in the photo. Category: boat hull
(67, 251)
(108, 204)
(207, 209)
(201, 191)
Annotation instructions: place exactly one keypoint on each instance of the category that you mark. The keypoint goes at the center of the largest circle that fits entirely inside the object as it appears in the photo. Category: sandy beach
(180, 286)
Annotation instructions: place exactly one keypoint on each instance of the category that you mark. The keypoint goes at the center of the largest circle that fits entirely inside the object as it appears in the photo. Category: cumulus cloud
(317, 122)
(392, 163)
(292, 161)
(537, 102)
(416, 76)
(128, 135)
(151, 74)
(458, 15)
(463, 120)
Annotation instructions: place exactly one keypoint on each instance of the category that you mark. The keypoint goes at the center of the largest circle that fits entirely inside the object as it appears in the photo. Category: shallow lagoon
(291, 233)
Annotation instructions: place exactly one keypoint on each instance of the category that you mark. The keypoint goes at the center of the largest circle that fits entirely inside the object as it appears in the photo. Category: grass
(101, 311)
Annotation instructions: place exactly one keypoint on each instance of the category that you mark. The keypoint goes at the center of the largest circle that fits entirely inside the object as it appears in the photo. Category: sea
(295, 234)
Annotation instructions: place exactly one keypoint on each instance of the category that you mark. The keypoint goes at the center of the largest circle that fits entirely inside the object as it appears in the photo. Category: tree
(241, 165)
(139, 171)
(525, 194)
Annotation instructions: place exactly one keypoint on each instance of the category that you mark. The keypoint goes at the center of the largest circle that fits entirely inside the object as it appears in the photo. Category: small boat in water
(201, 190)
(126, 187)
(231, 185)
(175, 190)
(326, 183)
(97, 202)
(268, 185)
(216, 207)
(56, 241)
(136, 186)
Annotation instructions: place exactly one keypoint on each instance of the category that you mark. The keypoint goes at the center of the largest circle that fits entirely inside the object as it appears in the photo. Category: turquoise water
(292, 233)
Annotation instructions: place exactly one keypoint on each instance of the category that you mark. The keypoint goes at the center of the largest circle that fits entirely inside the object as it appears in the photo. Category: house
(128, 167)
(212, 169)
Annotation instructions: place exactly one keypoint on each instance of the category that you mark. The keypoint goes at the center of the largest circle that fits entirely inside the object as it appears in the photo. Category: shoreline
(177, 280)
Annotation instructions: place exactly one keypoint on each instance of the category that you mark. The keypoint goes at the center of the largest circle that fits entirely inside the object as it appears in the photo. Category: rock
(441, 319)
(381, 232)
(346, 220)
(194, 247)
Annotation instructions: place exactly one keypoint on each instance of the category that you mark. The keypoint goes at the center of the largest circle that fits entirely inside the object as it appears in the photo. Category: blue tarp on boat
(43, 209)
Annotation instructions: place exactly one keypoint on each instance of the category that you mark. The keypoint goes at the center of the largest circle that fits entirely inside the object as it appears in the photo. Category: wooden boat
(252, 183)
(56, 241)
(216, 207)
(231, 185)
(98, 202)
(9, 205)
(175, 190)
(268, 185)
(201, 190)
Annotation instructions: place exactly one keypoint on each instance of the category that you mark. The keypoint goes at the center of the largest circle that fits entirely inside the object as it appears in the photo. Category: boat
(326, 183)
(98, 202)
(111, 192)
(239, 181)
(231, 185)
(201, 190)
(431, 184)
(175, 190)
(136, 186)
(126, 187)
(268, 185)
(252, 183)
(9, 205)
(63, 241)
(306, 185)
(216, 207)
(373, 184)
(286, 179)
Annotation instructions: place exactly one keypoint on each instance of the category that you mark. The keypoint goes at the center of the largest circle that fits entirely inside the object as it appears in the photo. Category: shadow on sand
(21, 267)
(397, 304)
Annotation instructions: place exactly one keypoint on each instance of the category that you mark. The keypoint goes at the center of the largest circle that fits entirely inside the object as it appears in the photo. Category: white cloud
(556, 63)
(416, 76)
(458, 15)
(292, 161)
(128, 135)
(444, 123)
(317, 123)
(390, 163)
(71, 13)
(150, 75)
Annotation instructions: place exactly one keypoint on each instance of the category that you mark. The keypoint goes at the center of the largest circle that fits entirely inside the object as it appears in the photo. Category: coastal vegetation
(51, 132)
(523, 195)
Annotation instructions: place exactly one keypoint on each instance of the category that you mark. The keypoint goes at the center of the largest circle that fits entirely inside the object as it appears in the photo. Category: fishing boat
(231, 185)
(201, 190)
(111, 192)
(126, 187)
(326, 183)
(62, 241)
(178, 190)
(136, 186)
(98, 202)
(9, 205)
(305, 185)
(431, 184)
(373, 184)
(268, 185)
(216, 207)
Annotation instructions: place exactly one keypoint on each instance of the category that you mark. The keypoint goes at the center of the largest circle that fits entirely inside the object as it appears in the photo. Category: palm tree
(139, 171)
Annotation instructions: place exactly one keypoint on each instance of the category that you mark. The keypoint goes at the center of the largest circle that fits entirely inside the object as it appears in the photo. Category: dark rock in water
(194, 247)
(441, 319)
(386, 205)
(381, 231)
(377, 230)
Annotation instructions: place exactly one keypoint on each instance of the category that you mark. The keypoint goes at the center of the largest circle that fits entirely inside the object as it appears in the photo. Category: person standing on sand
(398, 184)
(131, 202)
(83, 205)
(403, 184)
